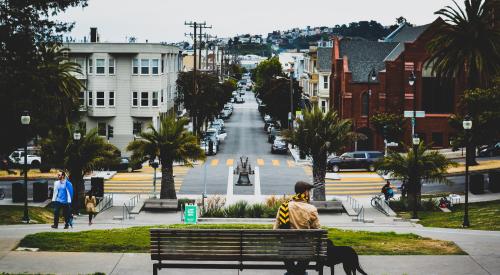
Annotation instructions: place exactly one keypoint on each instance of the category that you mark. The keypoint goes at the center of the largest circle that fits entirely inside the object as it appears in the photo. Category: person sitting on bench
(297, 213)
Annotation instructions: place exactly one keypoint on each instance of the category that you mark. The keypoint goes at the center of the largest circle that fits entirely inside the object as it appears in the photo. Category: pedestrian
(90, 203)
(63, 191)
(297, 213)
(70, 204)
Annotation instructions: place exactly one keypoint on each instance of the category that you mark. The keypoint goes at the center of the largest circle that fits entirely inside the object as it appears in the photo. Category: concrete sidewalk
(140, 263)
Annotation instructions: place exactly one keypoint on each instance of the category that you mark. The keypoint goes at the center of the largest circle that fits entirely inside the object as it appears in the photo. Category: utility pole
(202, 26)
(194, 25)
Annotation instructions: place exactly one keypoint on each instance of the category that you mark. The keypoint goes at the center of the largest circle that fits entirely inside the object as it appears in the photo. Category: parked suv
(355, 160)
(34, 159)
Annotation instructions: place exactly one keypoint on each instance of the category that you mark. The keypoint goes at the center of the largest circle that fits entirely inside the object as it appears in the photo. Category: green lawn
(136, 239)
(13, 214)
(482, 216)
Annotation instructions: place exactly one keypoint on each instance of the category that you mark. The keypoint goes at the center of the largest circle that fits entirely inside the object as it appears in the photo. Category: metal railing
(128, 207)
(358, 208)
(105, 203)
(379, 203)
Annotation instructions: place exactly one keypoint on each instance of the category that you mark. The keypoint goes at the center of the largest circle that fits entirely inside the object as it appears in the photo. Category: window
(90, 103)
(161, 95)
(111, 68)
(111, 99)
(323, 106)
(137, 127)
(359, 155)
(144, 66)
(364, 104)
(155, 98)
(144, 99)
(135, 99)
(325, 82)
(437, 139)
(101, 129)
(99, 66)
(99, 99)
(162, 65)
(91, 65)
(81, 99)
(154, 66)
(135, 66)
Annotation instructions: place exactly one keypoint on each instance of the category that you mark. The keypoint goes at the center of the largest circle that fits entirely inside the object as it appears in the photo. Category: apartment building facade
(128, 86)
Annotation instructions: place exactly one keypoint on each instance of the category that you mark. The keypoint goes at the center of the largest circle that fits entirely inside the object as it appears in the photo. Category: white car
(215, 132)
(17, 157)
(206, 147)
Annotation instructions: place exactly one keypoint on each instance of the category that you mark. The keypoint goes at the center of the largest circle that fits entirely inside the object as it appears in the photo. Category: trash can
(97, 186)
(494, 181)
(40, 191)
(18, 193)
(477, 183)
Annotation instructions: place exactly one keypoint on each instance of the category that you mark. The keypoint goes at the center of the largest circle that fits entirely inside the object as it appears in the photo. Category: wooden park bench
(161, 204)
(236, 248)
(328, 206)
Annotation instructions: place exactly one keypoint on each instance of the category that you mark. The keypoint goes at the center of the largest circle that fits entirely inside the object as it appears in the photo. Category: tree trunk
(167, 181)
(76, 178)
(414, 191)
(319, 172)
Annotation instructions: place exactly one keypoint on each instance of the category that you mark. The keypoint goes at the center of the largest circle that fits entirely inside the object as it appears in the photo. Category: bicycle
(2, 194)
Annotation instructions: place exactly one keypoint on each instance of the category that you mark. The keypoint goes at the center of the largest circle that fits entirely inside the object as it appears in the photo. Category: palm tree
(319, 135)
(467, 46)
(171, 143)
(426, 166)
(78, 157)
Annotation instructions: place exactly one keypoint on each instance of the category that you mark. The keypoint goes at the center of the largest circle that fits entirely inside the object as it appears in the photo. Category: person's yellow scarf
(284, 212)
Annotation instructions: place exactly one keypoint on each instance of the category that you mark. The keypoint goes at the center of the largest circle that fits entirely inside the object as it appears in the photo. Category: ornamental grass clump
(237, 210)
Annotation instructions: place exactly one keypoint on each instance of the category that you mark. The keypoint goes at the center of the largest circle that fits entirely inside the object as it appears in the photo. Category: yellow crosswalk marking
(214, 162)
(276, 162)
(350, 192)
(260, 162)
(230, 162)
(290, 163)
(354, 184)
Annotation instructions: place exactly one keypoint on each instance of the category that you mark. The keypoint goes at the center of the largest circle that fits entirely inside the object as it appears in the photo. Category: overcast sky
(163, 20)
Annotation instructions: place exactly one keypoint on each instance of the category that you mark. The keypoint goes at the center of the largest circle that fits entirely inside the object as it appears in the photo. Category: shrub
(402, 205)
(214, 206)
(237, 210)
(256, 210)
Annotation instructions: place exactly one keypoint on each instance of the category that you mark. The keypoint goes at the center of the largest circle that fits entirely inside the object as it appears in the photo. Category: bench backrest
(238, 245)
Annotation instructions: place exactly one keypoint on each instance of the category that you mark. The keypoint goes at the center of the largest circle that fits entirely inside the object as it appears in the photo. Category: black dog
(345, 255)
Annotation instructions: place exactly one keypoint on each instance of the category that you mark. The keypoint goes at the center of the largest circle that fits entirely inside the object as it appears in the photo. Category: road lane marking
(276, 162)
(257, 182)
(290, 163)
(214, 162)
(230, 162)
(260, 162)
(229, 191)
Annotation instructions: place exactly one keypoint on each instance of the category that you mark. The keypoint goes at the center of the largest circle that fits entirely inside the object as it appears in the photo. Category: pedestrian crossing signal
(110, 131)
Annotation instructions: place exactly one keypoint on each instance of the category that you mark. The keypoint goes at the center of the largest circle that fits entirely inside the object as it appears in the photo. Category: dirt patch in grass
(136, 239)
(13, 214)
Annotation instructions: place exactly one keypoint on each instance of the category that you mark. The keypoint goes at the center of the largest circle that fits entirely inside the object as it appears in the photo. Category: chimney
(93, 35)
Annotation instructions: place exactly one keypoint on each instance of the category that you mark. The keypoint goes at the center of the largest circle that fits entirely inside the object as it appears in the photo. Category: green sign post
(190, 214)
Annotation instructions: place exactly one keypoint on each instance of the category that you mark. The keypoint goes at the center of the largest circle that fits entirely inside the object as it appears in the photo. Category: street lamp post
(25, 120)
(290, 124)
(416, 142)
(467, 124)
(371, 76)
(411, 81)
(76, 137)
(155, 165)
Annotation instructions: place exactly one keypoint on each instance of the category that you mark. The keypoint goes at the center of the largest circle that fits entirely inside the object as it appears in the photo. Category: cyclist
(387, 191)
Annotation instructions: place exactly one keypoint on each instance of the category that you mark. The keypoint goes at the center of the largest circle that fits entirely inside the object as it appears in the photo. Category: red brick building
(393, 60)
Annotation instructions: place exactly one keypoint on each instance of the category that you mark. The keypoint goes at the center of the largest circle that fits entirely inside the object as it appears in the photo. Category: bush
(237, 210)
(402, 205)
(256, 211)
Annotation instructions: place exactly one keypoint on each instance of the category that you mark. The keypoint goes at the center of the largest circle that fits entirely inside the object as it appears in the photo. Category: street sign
(190, 214)
(392, 144)
(417, 114)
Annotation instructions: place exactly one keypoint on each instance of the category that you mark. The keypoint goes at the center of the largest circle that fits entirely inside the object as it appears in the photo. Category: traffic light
(110, 131)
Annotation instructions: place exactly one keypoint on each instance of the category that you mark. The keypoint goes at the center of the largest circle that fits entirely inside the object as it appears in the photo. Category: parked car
(279, 146)
(273, 134)
(490, 150)
(217, 133)
(205, 145)
(126, 165)
(242, 92)
(355, 160)
(240, 100)
(33, 157)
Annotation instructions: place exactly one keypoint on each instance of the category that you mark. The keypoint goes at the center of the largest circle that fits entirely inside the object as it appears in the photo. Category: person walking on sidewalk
(90, 203)
(297, 213)
(63, 193)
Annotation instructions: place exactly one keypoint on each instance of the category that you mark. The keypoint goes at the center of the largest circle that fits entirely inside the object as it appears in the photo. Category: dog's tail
(360, 269)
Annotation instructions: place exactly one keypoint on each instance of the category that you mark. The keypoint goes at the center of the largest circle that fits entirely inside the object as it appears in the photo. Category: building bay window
(101, 129)
(90, 101)
(91, 66)
(154, 66)
(144, 99)
(111, 67)
(144, 66)
(111, 98)
(81, 99)
(99, 99)
(135, 99)
(99, 66)
(135, 66)
(154, 99)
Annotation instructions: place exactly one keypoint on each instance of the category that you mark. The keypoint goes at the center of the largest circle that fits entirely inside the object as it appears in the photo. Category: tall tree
(467, 47)
(414, 168)
(265, 72)
(390, 126)
(277, 98)
(27, 80)
(319, 135)
(171, 143)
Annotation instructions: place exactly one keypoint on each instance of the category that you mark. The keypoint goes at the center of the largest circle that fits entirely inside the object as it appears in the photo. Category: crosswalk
(358, 184)
(130, 183)
(259, 161)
